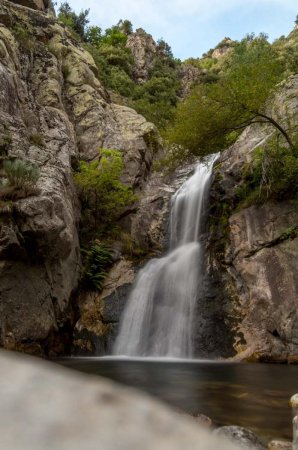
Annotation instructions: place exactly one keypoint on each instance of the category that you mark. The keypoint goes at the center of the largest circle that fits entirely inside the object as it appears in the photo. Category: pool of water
(255, 396)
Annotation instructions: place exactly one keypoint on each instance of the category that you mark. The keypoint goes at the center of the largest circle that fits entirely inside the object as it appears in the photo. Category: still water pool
(255, 396)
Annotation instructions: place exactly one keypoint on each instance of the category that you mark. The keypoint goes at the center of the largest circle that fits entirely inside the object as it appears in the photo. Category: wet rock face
(255, 256)
(53, 112)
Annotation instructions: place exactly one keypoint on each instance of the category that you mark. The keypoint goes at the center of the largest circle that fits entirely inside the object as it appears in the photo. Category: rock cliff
(41, 5)
(144, 50)
(254, 252)
(53, 112)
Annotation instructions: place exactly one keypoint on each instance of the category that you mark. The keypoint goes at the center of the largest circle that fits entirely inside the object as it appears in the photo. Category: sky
(192, 27)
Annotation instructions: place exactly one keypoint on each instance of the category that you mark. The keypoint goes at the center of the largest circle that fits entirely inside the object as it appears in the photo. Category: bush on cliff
(97, 260)
(102, 193)
(77, 22)
(20, 180)
(273, 173)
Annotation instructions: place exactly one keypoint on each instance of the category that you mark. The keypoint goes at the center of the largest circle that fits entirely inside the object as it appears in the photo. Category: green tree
(205, 121)
(114, 36)
(164, 48)
(125, 26)
(77, 22)
(93, 35)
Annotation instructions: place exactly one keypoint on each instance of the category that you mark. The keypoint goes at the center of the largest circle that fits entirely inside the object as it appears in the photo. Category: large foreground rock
(45, 407)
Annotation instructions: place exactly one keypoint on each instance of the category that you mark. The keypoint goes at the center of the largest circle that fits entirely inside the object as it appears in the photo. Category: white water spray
(157, 320)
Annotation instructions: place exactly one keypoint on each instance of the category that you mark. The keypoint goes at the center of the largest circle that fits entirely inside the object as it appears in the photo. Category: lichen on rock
(55, 112)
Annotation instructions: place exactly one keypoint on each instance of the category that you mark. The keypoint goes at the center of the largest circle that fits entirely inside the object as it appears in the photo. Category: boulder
(47, 407)
(243, 438)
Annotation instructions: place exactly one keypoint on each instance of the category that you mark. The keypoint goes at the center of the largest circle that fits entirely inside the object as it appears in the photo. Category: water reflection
(251, 395)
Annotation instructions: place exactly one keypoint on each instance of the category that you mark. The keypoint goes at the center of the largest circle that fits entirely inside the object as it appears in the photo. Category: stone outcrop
(254, 252)
(53, 112)
(41, 5)
(39, 410)
(189, 76)
(223, 49)
(144, 50)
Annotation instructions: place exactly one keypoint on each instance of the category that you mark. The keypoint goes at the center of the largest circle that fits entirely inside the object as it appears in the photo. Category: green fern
(97, 259)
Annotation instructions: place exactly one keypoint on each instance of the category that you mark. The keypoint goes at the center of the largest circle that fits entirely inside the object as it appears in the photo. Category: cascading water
(157, 320)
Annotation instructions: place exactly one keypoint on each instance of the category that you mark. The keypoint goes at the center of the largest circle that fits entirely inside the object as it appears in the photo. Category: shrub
(5, 142)
(21, 179)
(120, 82)
(97, 259)
(24, 36)
(102, 193)
(36, 139)
(273, 173)
(115, 37)
(77, 22)
(93, 35)
(21, 174)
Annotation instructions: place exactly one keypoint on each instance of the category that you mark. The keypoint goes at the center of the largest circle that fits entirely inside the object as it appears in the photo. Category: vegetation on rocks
(273, 173)
(102, 193)
(97, 259)
(20, 179)
(157, 97)
(24, 36)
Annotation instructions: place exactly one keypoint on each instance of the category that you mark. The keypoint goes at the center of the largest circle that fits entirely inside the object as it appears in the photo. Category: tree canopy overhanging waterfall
(157, 320)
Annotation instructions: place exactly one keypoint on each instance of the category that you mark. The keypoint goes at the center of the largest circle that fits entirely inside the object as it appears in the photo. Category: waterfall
(157, 320)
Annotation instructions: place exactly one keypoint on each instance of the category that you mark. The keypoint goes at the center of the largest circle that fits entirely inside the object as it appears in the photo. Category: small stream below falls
(255, 396)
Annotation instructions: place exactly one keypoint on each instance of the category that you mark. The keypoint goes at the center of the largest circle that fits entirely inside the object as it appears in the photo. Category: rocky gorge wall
(53, 112)
(254, 254)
